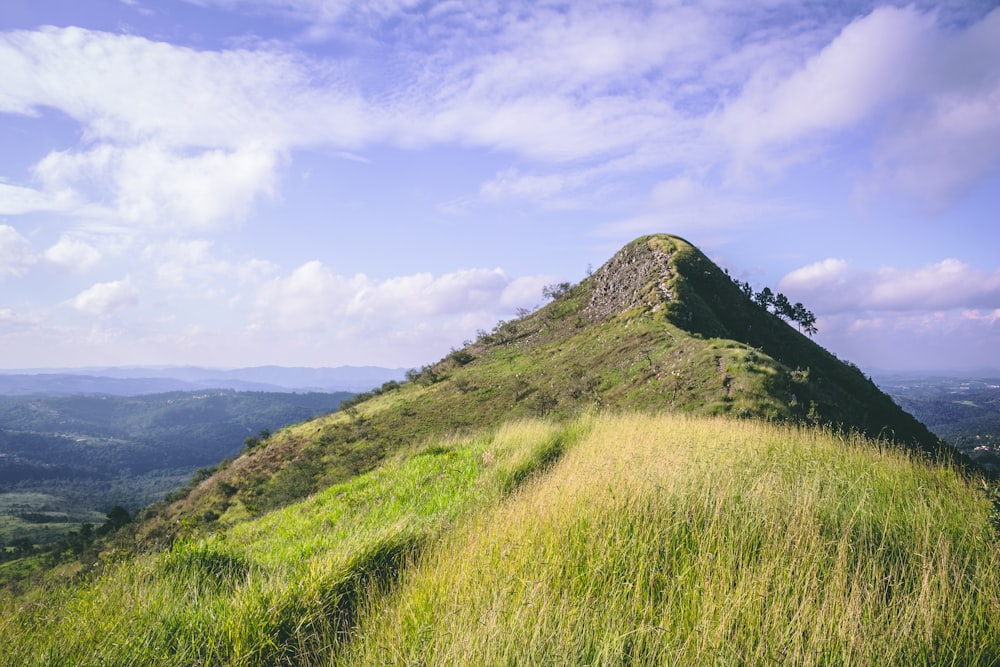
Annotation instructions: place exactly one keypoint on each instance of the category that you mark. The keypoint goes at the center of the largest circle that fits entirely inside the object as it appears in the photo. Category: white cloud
(17, 200)
(11, 319)
(128, 89)
(872, 62)
(173, 136)
(914, 340)
(929, 95)
(73, 254)
(445, 308)
(153, 186)
(833, 286)
(194, 268)
(687, 204)
(16, 256)
(104, 299)
(402, 320)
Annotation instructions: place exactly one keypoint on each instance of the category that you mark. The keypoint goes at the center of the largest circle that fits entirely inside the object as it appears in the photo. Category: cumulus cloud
(104, 299)
(173, 136)
(195, 267)
(834, 286)
(315, 297)
(914, 340)
(153, 186)
(15, 252)
(73, 254)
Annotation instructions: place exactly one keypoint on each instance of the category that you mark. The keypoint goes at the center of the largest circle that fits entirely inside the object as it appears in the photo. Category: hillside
(650, 469)
(630, 539)
(659, 326)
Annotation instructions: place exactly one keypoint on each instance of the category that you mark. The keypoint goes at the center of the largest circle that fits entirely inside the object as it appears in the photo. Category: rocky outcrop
(638, 276)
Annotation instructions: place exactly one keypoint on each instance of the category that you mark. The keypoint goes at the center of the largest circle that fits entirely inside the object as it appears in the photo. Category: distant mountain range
(138, 380)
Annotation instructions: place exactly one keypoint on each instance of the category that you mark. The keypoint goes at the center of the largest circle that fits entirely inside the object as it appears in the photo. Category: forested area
(965, 412)
(70, 460)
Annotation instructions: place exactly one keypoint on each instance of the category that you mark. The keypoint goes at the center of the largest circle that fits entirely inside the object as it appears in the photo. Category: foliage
(964, 411)
(69, 460)
(556, 290)
(778, 304)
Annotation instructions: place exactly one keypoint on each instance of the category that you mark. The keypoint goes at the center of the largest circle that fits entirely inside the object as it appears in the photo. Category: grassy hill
(625, 539)
(658, 327)
(650, 469)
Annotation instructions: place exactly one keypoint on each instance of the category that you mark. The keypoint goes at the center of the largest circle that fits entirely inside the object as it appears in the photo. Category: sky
(236, 183)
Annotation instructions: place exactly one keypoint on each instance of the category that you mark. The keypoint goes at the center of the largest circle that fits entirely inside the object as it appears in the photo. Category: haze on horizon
(236, 183)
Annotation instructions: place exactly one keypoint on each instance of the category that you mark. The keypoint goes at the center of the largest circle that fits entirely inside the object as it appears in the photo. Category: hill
(659, 326)
(651, 469)
(135, 381)
(610, 540)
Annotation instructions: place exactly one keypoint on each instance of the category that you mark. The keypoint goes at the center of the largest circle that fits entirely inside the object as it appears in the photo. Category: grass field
(603, 540)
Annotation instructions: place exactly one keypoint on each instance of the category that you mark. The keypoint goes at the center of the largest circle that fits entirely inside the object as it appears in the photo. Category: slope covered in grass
(614, 539)
(659, 327)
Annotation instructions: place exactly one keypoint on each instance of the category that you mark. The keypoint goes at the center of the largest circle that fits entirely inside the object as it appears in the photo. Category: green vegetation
(286, 588)
(628, 539)
(67, 462)
(963, 411)
(650, 469)
(658, 327)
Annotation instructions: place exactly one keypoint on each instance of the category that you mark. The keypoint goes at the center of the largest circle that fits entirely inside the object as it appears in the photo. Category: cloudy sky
(329, 182)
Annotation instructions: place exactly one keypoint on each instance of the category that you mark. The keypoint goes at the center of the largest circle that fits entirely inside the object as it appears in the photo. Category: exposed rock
(637, 276)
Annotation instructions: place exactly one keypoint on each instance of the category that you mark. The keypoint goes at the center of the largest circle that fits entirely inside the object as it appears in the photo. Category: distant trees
(556, 290)
(778, 304)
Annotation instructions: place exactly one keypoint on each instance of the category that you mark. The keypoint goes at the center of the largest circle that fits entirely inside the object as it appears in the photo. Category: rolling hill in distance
(133, 381)
(653, 468)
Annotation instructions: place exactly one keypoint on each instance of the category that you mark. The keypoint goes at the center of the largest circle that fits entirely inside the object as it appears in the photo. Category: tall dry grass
(666, 540)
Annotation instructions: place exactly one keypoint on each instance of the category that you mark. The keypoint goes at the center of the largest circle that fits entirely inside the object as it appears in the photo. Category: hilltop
(650, 469)
(659, 327)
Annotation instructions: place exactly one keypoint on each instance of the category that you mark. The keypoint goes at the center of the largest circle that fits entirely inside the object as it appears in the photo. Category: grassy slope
(661, 540)
(718, 516)
(628, 539)
(658, 327)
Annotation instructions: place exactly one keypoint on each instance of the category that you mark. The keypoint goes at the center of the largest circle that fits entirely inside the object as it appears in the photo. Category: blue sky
(330, 182)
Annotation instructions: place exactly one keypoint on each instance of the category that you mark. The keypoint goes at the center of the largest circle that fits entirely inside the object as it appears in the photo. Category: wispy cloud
(834, 286)
(15, 252)
(930, 95)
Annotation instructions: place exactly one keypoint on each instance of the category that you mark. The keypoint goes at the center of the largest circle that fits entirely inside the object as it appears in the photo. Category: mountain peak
(659, 327)
(637, 276)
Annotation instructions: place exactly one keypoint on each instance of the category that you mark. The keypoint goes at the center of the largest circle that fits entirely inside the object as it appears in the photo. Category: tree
(764, 298)
(556, 290)
(118, 517)
(808, 322)
(782, 307)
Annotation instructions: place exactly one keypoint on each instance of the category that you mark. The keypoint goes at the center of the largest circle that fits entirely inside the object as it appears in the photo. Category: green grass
(659, 327)
(665, 540)
(603, 540)
(284, 589)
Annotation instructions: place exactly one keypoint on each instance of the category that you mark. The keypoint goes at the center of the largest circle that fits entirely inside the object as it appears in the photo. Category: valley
(68, 460)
